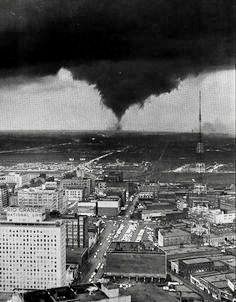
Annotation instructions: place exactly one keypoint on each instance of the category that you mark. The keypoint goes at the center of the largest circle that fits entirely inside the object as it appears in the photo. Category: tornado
(129, 50)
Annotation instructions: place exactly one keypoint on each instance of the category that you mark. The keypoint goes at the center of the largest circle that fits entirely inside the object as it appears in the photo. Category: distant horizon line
(115, 131)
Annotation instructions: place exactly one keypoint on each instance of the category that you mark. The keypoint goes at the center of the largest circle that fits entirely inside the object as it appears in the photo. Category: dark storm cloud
(126, 48)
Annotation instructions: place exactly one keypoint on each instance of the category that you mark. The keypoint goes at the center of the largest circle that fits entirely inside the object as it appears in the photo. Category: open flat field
(162, 151)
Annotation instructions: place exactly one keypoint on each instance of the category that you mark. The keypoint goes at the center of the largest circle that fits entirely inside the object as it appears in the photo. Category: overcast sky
(60, 102)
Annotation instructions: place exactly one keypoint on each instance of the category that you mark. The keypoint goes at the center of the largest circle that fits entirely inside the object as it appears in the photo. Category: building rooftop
(34, 209)
(196, 260)
(133, 247)
(214, 276)
(190, 251)
(80, 293)
(109, 198)
(38, 190)
(174, 233)
(75, 255)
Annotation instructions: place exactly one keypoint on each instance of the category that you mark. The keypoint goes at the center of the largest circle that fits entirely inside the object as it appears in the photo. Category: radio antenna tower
(200, 145)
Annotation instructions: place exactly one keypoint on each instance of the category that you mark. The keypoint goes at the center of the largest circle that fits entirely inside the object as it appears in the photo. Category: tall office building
(32, 250)
(76, 230)
(4, 196)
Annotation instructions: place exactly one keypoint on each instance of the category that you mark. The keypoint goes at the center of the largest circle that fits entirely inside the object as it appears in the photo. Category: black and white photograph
(117, 151)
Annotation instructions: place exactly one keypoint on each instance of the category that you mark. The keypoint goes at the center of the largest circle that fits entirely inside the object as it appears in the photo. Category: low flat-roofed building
(217, 216)
(167, 214)
(109, 206)
(214, 283)
(222, 239)
(189, 266)
(88, 208)
(76, 293)
(143, 195)
(220, 266)
(135, 259)
(173, 237)
(190, 251)
(77, 256)
(150, 187)
(117, 191)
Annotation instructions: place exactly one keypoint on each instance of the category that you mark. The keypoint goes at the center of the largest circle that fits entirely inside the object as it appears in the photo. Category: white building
(81, 182)
(146, 195)
(49, 185)
(109, 206)
(4, 196)
(51, 199)
(74, 194)
(32, 251)
(219, 217)
(87, 208)
(19, 179)
(199, 188)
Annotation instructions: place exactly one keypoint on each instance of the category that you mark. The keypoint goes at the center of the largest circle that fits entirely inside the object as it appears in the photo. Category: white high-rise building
(32, 250)
(50, 199)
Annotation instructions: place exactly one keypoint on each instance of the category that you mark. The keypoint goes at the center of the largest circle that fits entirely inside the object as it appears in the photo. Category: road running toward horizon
(97, 258)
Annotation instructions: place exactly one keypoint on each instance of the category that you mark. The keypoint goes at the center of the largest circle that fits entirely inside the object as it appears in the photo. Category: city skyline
(117, 151)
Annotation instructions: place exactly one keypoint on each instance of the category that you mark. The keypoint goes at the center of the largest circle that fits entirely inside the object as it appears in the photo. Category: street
(97, 258)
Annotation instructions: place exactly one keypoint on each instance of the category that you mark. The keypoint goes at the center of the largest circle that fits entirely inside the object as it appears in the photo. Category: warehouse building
(173, 237)
(215, 284)
(189, 266)
(109, 206)
(88, 208)
(135, 260)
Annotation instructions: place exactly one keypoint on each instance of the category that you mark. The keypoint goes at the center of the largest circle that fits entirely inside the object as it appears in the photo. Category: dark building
(114, 176)
(190, 266)
(135, 259)
(117, 191)
(76, 231)
(4, 196)
(77, 293)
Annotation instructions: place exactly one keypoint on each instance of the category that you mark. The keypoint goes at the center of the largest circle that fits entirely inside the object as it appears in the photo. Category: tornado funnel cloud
(129, 49)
